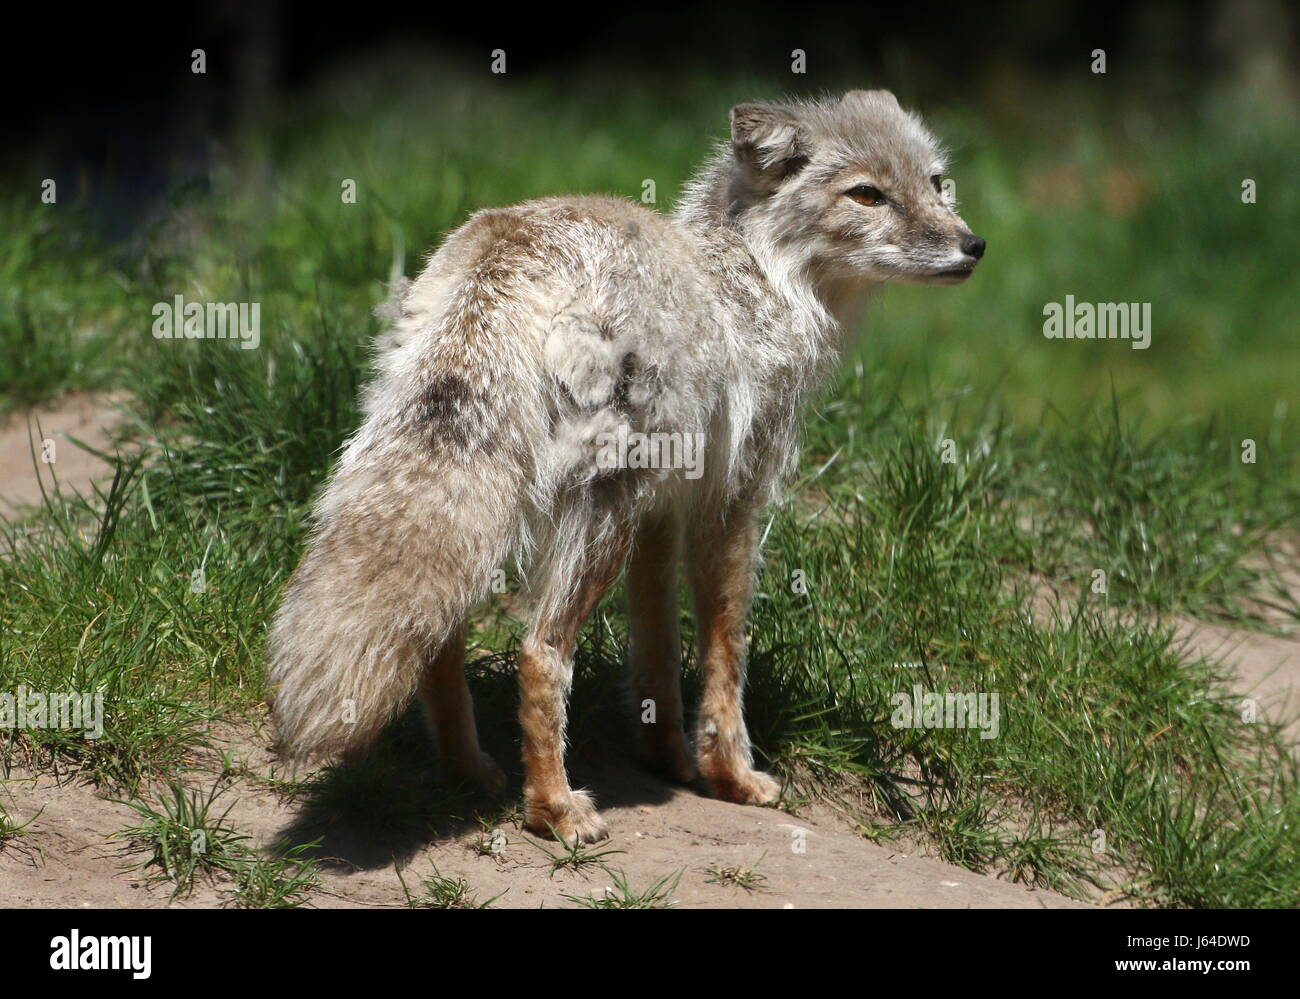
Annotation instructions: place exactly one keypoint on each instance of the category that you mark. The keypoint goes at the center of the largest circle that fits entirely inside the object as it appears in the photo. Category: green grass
(621, 895)
(63, 300)
(183, 837)
(444, 893)
(573, 856)
(275, 881)
(737, 876)
(184, 842)
(1072, 457)
(10, 828)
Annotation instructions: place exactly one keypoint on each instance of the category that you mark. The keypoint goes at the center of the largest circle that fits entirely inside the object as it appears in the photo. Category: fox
(531, 338)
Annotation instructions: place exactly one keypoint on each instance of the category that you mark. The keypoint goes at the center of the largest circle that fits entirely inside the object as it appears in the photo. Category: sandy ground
(813, 860)
(1269, 667)
(87, 417)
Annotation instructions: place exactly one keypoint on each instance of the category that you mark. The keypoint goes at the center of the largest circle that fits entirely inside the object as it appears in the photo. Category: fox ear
(768, 137)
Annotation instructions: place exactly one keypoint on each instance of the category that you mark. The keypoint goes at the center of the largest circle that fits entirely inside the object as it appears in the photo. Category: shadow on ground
(387, 807)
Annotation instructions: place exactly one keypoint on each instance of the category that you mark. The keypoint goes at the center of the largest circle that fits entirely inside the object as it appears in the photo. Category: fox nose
(973, 246)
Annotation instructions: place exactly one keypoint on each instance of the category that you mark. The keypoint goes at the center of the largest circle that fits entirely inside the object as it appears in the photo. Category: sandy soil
(69, 860)
(815, 859)
(84, 416)
(1269, 667)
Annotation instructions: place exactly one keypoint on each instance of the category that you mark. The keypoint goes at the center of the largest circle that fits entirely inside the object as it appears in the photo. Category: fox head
(854, 187)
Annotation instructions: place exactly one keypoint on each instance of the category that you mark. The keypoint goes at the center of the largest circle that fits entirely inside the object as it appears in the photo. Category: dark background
(106, 94)
(120, 75)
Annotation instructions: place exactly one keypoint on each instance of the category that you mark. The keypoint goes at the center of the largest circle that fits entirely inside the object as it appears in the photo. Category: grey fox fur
(534, 334)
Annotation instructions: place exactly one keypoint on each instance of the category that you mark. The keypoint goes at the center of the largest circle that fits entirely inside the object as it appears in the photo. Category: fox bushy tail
(425, 503)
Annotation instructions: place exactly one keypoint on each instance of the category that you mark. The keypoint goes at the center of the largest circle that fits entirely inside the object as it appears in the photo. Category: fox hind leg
(450, 712)
(551, 806)
(654, 653)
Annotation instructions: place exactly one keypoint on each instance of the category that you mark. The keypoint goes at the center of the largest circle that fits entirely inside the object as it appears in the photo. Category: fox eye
(937, 183)
(865, 194)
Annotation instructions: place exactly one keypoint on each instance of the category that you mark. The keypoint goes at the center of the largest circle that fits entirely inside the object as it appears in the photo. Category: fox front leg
(722, 570)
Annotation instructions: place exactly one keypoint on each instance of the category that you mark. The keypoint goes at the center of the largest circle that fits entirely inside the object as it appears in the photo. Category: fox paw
(742, 786)
(671, 760)
(572, 818)
(482, 772)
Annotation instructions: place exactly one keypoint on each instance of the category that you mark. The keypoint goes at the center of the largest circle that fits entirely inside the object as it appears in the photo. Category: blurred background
(1166, 180)
(1117, 186)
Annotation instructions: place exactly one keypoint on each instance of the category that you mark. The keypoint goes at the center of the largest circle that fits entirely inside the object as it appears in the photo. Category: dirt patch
(814, 860)
(35, 449)
(1268, 665)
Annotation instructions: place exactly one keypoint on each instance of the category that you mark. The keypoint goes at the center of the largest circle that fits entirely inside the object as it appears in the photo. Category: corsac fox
(533, 339)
